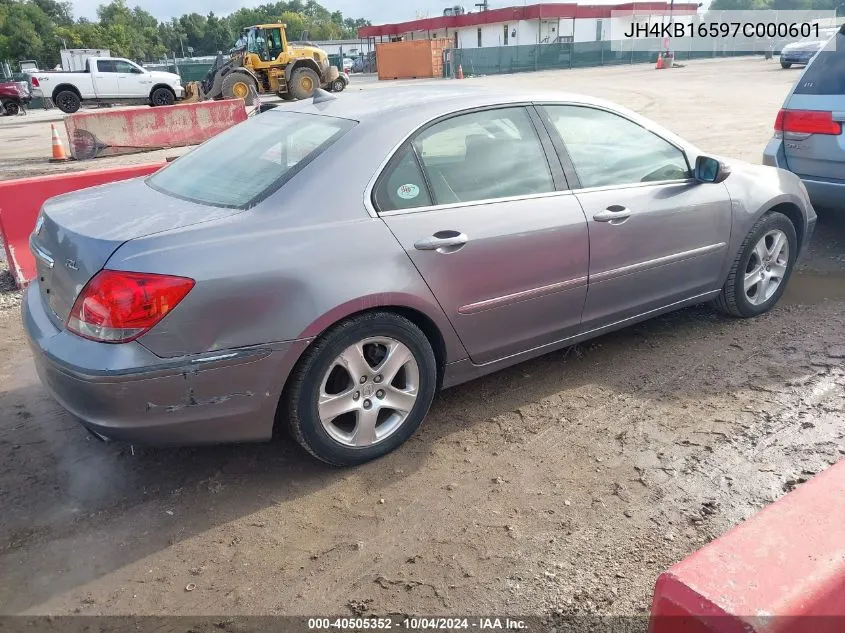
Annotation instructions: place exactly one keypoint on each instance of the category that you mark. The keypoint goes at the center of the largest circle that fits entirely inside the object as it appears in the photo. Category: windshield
(245, 164)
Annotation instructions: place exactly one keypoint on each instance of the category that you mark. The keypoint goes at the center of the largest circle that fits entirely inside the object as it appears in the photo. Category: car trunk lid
(77, 233)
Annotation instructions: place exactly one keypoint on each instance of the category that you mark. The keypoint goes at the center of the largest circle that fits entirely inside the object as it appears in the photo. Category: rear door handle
(613, 214)
(451, 240)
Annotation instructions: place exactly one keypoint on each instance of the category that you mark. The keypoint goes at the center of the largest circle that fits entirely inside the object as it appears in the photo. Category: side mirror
(711, 170)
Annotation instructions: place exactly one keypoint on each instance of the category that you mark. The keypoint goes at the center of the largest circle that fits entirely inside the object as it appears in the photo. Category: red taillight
(807, 122)
(35, 83)
(116, 306)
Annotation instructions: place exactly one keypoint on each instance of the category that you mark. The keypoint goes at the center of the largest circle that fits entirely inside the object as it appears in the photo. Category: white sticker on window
(408, 192)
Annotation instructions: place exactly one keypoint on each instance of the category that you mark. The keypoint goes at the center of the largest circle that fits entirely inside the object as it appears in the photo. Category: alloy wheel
(767, 267)
(368, 392)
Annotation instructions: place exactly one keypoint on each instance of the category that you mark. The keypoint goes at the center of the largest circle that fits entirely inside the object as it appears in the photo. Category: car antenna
(321, 96)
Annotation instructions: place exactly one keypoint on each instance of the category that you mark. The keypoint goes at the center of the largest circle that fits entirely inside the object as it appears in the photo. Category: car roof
(429, 100)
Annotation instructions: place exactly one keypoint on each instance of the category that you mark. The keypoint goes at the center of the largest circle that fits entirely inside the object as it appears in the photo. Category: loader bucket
(193, 93)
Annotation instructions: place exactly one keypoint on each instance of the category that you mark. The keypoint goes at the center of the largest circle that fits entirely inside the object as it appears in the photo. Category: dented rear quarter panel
(301, 260)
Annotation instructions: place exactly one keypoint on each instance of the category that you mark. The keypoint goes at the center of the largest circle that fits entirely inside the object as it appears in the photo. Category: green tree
(38, 29)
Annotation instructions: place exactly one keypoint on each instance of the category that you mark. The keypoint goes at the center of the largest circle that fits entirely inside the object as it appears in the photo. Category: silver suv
(809, 135)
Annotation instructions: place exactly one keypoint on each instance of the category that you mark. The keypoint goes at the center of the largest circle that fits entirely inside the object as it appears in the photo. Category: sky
(377, 11)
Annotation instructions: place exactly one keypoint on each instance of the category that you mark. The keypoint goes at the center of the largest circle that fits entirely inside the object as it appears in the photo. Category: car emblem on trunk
(39, 224)
(71, 264)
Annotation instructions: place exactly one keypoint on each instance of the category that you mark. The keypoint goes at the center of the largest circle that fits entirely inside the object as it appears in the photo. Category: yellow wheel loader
(263, 62)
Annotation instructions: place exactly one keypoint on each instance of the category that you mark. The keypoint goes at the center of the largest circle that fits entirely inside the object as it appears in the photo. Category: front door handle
(615, 214)
(448, 241)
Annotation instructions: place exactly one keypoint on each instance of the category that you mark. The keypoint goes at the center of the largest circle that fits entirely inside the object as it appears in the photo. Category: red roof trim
(531, 12)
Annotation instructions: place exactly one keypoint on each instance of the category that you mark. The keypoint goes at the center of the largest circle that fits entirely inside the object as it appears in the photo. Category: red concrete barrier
(782, 571)
(130, 130)
(20, 201)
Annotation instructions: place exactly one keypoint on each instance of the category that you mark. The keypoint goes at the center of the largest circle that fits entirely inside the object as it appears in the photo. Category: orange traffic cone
(659, 62)
(460, 71)
(59, 154)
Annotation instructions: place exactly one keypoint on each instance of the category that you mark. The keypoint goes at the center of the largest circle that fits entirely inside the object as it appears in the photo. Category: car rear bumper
(125, 392)
(824, 193)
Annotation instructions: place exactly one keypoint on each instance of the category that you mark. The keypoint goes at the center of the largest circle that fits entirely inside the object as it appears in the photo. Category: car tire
(338, 85)
(324, 376)
(12, 108)
(162, 97)
(785, 65)
(239, 85)
(761, 270)
(67, 101)
(299, 83)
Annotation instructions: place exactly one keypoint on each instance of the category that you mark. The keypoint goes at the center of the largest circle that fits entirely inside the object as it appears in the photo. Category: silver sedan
(327, 266)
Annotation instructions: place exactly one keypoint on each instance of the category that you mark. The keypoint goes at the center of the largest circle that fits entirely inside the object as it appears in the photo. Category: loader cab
(267, 42)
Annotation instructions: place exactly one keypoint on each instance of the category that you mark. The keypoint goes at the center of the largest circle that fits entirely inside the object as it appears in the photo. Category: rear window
(244, 165)
(826, 73)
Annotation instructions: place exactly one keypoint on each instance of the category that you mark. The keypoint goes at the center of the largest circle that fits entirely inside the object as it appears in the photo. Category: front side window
(246, 163)
(125, 67)
(607, 149)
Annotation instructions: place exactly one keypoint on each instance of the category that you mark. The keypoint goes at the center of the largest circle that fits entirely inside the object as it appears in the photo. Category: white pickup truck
(107, 80)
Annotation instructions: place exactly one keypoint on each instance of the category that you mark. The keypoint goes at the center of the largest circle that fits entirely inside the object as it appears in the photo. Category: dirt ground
(561, 486)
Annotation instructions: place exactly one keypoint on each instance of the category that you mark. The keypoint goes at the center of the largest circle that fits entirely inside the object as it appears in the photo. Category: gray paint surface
(536, 274)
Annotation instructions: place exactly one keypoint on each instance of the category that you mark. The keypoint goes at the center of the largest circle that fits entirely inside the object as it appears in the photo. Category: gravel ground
(560, 486)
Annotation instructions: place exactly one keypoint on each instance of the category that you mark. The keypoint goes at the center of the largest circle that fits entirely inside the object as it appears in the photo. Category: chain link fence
(189, 69)
(533, 57)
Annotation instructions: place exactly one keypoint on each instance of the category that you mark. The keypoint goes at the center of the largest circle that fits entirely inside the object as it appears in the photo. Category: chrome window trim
(637, 185)
(533, 196)
(368, 191)
(473, 203)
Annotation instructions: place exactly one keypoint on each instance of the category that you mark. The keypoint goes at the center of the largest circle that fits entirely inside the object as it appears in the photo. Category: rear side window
(484, 155)
(826, 73)
(403, 185)
(106, 66)
(245, 164)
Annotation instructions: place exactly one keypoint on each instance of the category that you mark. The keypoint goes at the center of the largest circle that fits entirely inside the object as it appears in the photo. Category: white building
(347, 48)
(534, 24)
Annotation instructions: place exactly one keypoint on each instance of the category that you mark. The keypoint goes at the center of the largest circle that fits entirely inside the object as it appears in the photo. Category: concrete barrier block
(21, 199)
(130, 130)
(782, 571)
